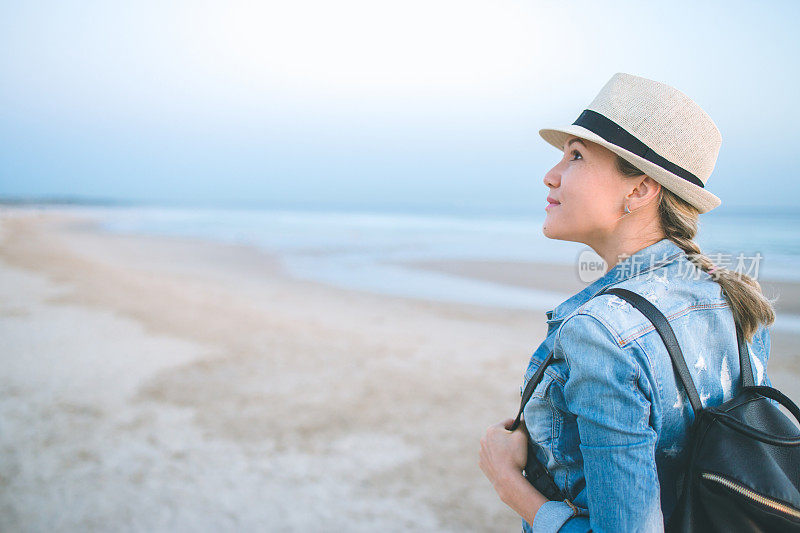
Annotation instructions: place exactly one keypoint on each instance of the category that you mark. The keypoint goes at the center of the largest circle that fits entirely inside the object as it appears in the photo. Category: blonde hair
(679, 220)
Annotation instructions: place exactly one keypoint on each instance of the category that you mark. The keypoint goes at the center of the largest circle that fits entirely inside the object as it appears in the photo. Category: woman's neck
(615, 250)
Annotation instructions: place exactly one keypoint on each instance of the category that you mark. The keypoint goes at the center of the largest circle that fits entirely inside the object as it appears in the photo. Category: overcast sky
(372, 103)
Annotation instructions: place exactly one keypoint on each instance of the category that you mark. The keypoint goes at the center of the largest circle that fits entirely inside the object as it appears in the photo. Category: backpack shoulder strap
(526, 395)
(745, 368)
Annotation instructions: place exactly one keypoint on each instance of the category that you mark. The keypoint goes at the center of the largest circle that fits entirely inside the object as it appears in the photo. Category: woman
(609, 418)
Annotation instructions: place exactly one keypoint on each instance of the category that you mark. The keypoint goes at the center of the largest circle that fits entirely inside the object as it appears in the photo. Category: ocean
(365, 250)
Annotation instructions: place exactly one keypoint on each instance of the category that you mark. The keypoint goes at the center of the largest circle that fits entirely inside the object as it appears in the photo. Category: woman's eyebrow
(575, 141)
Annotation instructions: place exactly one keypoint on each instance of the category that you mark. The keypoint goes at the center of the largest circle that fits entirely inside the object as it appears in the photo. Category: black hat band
(616, 134)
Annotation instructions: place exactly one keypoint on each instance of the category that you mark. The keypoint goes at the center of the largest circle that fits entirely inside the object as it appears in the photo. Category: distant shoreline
(553, 277)
(411, 209)
(60, 201)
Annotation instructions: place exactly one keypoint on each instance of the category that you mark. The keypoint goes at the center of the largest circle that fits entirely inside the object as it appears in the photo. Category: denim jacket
(609, 417)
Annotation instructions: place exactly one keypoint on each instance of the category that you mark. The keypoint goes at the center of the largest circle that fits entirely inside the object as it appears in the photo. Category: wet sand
(173, 384)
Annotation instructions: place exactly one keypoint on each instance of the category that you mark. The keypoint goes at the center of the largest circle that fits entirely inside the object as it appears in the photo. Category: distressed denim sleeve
(607, 392)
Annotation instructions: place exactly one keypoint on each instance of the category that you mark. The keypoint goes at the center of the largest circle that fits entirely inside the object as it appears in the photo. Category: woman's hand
(503, 455)
(502, 458)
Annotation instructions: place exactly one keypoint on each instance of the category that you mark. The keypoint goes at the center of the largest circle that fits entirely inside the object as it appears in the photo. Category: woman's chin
(548, 230)
(552, 230)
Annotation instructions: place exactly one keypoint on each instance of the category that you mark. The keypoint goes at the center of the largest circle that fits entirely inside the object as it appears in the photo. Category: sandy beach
(166, 384)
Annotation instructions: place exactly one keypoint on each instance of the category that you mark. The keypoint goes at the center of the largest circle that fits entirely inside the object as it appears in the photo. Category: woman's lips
(551, 205)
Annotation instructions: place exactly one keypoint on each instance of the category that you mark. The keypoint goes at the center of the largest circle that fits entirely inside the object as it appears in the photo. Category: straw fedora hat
(655, 127)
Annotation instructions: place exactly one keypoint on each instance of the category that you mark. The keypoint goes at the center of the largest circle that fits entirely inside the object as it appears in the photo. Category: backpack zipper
(744, 491)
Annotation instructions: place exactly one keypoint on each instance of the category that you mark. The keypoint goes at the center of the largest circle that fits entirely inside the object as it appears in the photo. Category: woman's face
(589, 190)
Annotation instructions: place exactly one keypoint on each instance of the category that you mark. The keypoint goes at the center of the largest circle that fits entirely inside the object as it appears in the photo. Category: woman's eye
(576, 155)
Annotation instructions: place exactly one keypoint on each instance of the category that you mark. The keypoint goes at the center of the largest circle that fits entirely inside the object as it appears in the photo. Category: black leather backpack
(743, 465)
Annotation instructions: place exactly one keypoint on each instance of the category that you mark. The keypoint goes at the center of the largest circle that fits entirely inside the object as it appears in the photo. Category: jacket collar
(649, 258)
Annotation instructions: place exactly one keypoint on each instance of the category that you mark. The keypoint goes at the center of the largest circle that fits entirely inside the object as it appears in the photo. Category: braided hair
(679, 221)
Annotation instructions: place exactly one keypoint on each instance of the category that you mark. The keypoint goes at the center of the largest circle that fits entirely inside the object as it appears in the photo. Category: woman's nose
(553, 178)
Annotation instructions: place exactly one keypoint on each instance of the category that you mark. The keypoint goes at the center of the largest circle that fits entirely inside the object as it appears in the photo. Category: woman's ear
(645, 190)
